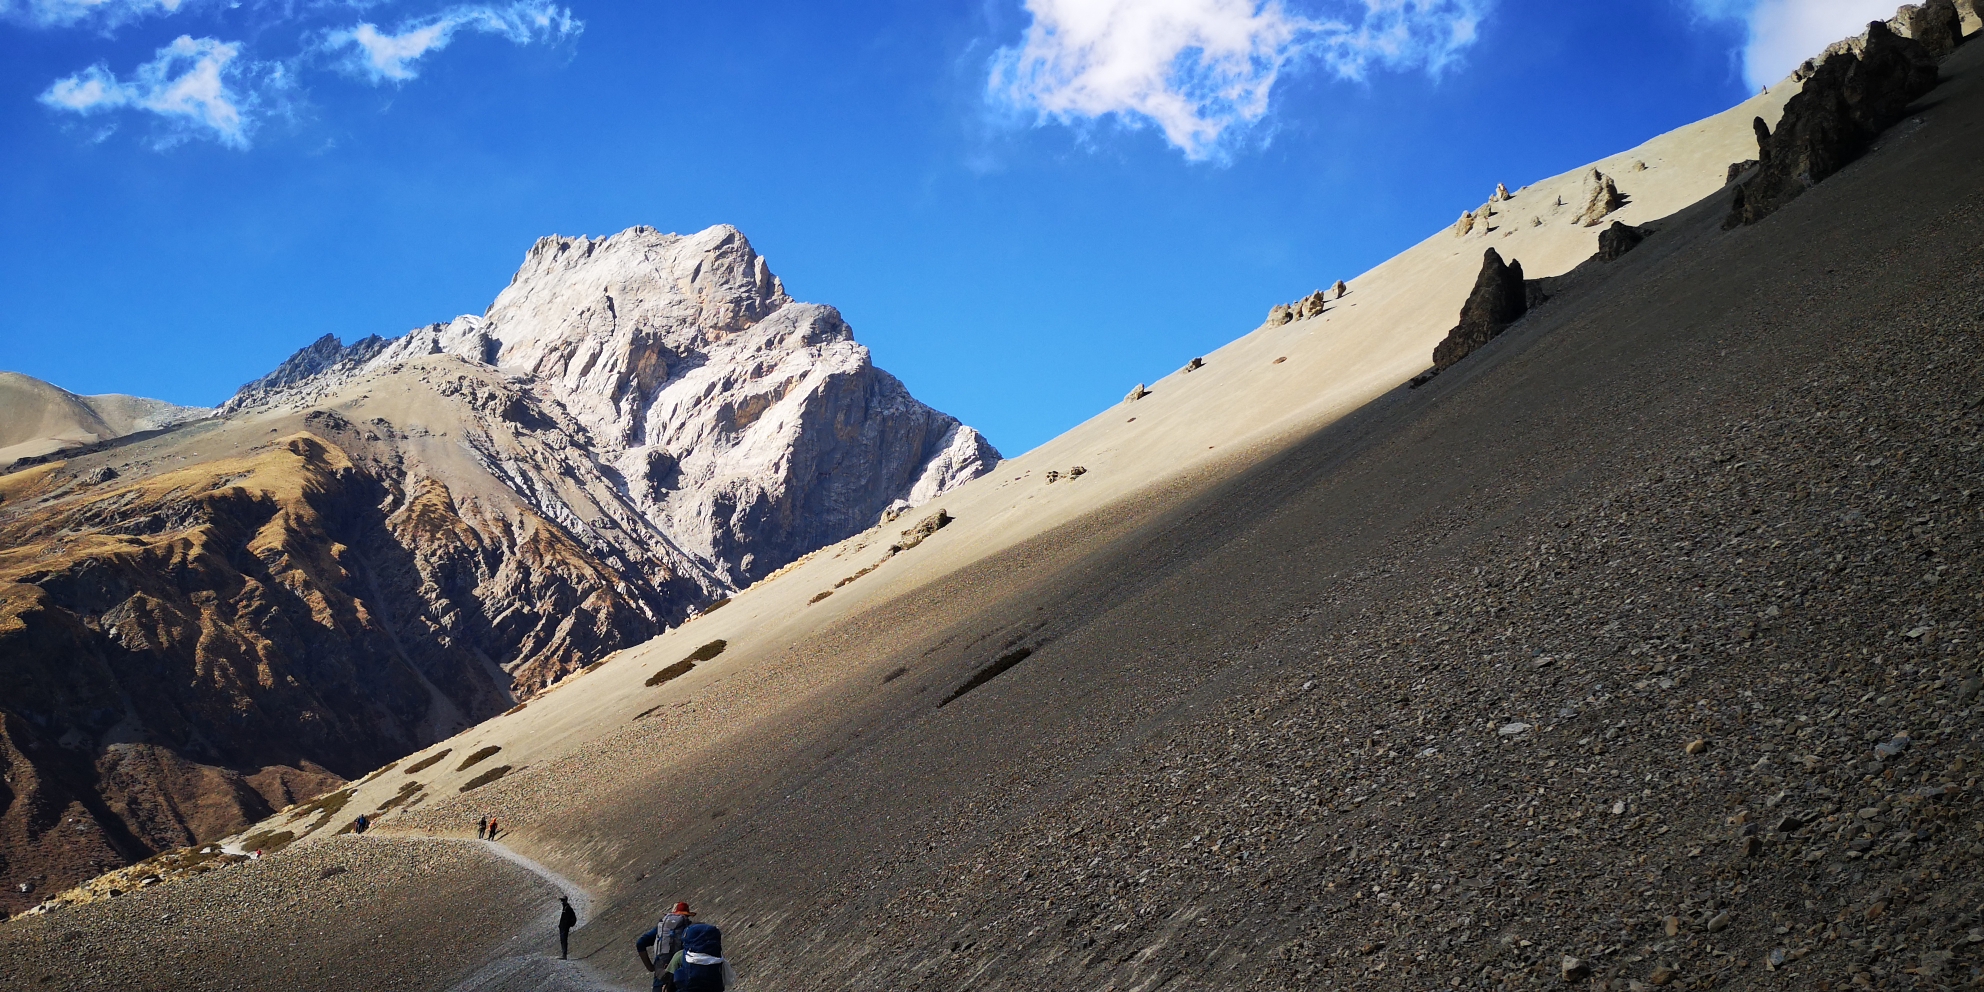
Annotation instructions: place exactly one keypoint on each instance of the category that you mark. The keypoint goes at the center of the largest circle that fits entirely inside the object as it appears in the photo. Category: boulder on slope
(1601, 197)
(1617, 240)
(1309, 306)
(1499, 299)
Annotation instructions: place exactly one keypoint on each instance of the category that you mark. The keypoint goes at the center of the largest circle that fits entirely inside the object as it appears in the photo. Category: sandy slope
(847, 831)
(37, 418)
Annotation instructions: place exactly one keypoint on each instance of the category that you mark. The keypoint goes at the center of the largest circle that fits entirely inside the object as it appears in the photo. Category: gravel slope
(350, 913)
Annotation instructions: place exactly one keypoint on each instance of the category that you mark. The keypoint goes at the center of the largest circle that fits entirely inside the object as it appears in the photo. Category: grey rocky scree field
(1720, 726)
(265, 919)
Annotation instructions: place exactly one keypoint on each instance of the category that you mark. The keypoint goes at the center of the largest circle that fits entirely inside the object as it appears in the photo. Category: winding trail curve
(524, 962)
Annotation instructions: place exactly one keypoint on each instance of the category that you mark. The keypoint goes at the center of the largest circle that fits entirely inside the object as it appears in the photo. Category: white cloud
(382, 56)
(1784, 33)
(1198, 69)
(187, 84)
(103, 13)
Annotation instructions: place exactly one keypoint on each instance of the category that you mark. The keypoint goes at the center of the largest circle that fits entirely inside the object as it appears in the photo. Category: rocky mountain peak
(749, 427)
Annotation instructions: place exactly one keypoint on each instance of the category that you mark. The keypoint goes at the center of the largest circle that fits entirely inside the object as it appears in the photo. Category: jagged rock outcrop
(1601, 197)
(1337, 291)
(379, 544)
(1136, 393)
(1941, 27)
(1844, 105)
(1499, 298)
(1311, 305)
(1936, 26)
(1617, 240)
(311, 362)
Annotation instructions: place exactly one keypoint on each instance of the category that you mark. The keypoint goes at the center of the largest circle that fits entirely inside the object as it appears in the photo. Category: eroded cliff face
(378, 545)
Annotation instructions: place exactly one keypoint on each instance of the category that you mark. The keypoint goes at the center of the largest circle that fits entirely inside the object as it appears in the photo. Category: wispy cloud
(1200, 69)
(1783, 33)
(195, 85)
(384, 57)
(97, 13)
(210, 88)
(1402, 35)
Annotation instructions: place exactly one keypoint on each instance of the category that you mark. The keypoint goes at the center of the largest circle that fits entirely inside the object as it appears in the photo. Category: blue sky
(1023, 206)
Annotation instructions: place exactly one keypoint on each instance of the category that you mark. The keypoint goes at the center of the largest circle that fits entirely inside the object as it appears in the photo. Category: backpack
(701, 940)
(668, 937)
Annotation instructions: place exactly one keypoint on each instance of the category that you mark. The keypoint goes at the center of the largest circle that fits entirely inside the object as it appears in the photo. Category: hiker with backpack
(669, 944)
(703, 967)
(567, 919)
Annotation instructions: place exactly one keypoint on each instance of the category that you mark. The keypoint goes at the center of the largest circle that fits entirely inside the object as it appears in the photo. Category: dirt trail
(524, 963)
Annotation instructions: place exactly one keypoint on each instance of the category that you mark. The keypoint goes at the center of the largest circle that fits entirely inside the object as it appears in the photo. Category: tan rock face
(1601, 197)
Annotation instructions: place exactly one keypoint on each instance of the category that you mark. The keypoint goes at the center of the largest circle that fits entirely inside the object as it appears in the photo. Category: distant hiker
(492, 828)
(703, 968)
(481, 828)
(358, 826)
(666, 940)
(567, 919)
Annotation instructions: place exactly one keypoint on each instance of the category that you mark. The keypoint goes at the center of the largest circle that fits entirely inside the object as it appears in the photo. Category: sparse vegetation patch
(671, 673)
(485, 778)
(267, 841)
(378, 773)
(427, 762)
(406, 792)
(328, 804)
(476, 758)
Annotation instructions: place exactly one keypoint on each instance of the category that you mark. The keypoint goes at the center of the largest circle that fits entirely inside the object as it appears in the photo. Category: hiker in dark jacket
(567, 919)
(481, 828)
(664, 939)
(703, 968)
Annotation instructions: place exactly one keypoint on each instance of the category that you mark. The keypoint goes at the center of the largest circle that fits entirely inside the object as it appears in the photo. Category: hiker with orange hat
(666, 940)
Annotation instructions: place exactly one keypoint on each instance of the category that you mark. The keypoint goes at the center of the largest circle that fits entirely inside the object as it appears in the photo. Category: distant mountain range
(379, 544)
